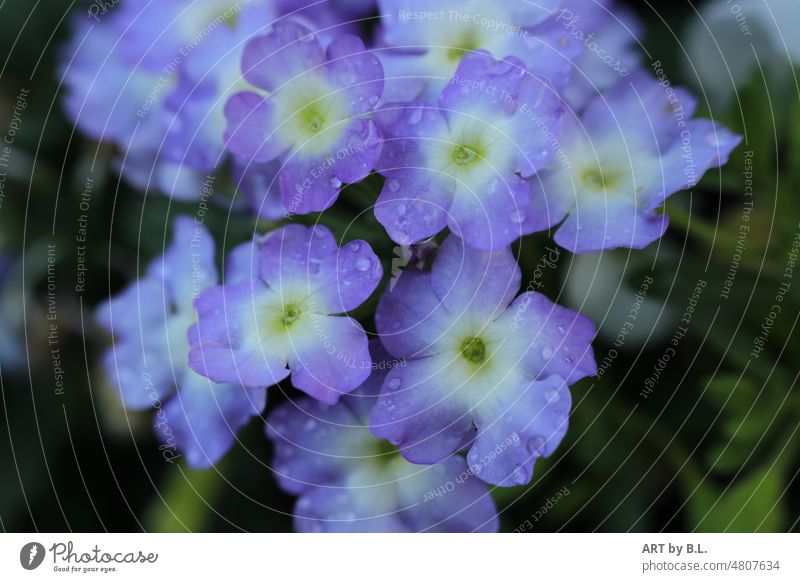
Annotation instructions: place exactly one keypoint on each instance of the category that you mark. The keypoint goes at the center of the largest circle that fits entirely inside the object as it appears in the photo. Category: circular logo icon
(31, 555)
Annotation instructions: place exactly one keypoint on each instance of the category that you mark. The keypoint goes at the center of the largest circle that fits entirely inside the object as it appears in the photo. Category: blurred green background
(706, 442)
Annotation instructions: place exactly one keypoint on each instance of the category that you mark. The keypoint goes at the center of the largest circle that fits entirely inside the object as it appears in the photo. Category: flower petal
(508, 442)
(203, 418)
(418, 415)
(470, 281)
(544, 339)
(288, 51)
(250, 131)
(410, 318)
(336, 362)
(348, 279)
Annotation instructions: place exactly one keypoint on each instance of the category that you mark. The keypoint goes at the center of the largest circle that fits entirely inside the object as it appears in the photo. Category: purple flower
(609, 35)
(349, 481)
(285, 314)
(485, 371)
(314, 117)
(208, 75)
(462, 164)
(258, 183)
(112, 97)
(149, 321)
(424, 42)
(630, 149)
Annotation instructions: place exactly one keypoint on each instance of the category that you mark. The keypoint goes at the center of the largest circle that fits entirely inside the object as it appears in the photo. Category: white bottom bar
(389, 558)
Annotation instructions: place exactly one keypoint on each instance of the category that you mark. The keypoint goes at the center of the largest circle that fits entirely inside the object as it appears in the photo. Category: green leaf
(755, 503)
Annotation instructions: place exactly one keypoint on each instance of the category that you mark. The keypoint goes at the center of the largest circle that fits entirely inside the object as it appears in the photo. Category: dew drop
(416, 115)
(363, 264)
(517, 216)
(547, 352)
(346, 74)
(393, 384)
(535, 446)
(355, 247)
(393, 185)
(335, 182)
(501, 67)
(519, 476)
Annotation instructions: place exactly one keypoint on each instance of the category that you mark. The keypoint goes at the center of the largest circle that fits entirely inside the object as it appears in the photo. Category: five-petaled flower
(485, 371)
(287, 313)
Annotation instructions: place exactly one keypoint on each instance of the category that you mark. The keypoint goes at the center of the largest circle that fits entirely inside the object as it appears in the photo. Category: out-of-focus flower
(609, 36)
(149, 322)
(423, 44)
(347, 480)
(485, 371)
(632, 148)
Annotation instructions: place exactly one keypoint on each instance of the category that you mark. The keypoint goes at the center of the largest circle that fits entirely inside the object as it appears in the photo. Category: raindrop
(535, 446)
(347, 74)
(335, 182)
(355, 247)
(393, 185)
(519, 476)
(416, 115)
(363, 264)
(393, 384)
(547, 352)
(501, 67)
(517, 216)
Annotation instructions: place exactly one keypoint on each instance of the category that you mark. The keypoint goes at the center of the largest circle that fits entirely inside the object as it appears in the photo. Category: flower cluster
(469, 128)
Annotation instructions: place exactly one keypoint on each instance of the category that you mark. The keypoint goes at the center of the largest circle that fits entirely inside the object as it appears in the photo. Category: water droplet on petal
(363, 264)
(547, 352)
(517, 216)
(355, 247)
(393, 185)
(536, 446)
(501, 67)
(335, 182)
(416, 115)
(346, 73)
(518, 476)
(393, 384)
